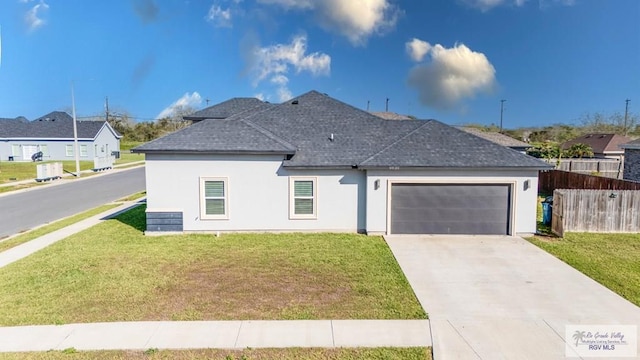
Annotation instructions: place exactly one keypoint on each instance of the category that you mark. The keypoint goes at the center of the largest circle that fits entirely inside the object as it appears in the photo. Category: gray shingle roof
(635, 144)
(226, 109)
(324, 132)
(55, 125)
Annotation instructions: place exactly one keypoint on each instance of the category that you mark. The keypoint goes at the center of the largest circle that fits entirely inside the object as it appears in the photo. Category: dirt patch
(246, 291)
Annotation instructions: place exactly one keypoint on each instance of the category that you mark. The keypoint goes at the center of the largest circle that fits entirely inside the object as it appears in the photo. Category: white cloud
(33, 16)
(275, 62)
(357, 20)
(486, 5)
(187, 101)
(451, 75)
(219, 17)
(417, 49)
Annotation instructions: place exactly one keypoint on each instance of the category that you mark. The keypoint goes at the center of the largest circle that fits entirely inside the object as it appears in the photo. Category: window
(45, 150)
(83, 150)
(69, 150)
(95, 150)
(214, 198)
(302, 198)
(15, 150)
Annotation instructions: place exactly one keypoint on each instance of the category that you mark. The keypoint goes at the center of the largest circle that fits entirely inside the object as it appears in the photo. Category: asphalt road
(25, 210)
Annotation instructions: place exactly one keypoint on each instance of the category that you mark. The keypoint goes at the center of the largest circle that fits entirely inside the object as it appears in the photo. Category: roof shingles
(324, 132)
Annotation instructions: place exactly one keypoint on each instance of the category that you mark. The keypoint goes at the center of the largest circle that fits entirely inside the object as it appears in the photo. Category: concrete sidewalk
(217, 334)
(23, 250)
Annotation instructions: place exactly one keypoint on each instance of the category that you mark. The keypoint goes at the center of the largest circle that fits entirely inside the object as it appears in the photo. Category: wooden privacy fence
(550, 180)
(604, 211)
(610, 168)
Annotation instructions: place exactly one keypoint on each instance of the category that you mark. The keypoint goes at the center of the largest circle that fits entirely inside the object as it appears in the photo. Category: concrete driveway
(499, 297)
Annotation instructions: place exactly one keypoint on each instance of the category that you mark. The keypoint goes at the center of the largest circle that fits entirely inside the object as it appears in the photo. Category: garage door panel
(450, 208)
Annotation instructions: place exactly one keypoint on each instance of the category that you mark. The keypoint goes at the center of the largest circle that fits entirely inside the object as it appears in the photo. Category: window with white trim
(83, 150)
(68, 150)
(214, 198)
(302, 198)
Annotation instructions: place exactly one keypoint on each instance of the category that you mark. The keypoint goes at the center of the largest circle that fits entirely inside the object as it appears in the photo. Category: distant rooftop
(390, 115)
(496, 137)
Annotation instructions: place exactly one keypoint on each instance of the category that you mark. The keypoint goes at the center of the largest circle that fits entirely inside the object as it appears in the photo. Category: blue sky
(452, 60)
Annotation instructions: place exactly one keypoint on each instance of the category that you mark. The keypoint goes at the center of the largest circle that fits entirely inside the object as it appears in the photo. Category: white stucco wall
(258, 193)
(524, 201)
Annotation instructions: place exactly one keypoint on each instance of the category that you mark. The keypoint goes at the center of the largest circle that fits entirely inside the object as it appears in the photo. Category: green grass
(128, 145)
(16, 171)
(610, 259)
(135, 196)
(112, 272)
(28, 236)
(246, 354)
(127, 157)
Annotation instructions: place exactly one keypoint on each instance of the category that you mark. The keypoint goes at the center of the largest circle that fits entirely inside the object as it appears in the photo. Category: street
(25, 210)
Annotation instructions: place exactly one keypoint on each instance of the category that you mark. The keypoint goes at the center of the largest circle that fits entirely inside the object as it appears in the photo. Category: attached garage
(475, 209)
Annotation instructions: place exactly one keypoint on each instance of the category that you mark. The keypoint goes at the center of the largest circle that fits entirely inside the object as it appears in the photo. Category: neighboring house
(605, 146)
(632, 160)
(53, 135)
(499, 139)
(390, 115)
(317, 164)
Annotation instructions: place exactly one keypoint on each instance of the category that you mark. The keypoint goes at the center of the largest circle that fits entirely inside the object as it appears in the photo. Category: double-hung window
(302, 198)
(68, 150)
(214, 198)
(83, 150)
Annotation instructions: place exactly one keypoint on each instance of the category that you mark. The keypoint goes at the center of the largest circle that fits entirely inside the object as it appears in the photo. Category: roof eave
(213, 152)
(466, 168)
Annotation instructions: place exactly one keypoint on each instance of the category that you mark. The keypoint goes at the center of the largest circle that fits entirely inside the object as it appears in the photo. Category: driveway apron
(501, 297)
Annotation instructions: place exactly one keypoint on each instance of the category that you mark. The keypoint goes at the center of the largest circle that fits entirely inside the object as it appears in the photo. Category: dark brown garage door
(476, 209)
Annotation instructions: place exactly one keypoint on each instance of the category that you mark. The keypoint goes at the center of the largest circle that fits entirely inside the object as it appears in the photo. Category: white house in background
(317, 164)
(52, 134)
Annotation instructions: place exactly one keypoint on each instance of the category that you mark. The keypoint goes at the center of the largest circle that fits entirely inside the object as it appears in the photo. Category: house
(499, 139)
(631, 160)
(605, 146)
(317, 164)
(52, 134)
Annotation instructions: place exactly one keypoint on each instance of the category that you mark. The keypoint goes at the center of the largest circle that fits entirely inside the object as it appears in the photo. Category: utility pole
(106, 109)
(386, 108)
(75, 132)
(626, 114)
(501, 112)
(368, 103)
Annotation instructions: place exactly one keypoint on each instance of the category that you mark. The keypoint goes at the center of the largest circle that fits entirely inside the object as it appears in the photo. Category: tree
(545, 150)
(580, 150)
(176, 121)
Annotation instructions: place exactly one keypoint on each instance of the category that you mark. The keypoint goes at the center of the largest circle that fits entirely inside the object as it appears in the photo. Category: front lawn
(112, 272)
(247, 354)
(613, 260)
